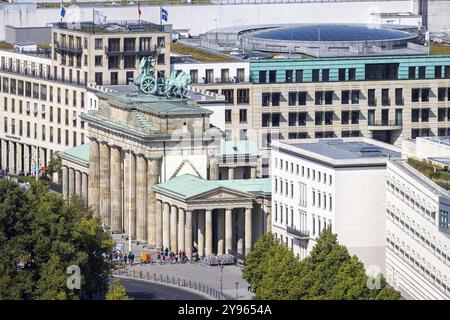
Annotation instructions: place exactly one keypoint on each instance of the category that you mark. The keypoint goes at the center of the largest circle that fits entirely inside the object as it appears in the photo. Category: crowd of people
(174, 257)
(161, 257)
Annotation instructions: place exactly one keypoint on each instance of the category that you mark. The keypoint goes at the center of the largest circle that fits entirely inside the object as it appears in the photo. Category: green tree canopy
(40, 236)
(116, 291)
(328, 272)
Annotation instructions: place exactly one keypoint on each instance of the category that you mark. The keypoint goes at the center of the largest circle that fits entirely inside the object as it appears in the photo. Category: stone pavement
(208, 275)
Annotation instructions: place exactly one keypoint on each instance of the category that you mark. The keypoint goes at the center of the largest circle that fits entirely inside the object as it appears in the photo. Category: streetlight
(221, 277)
(129, 209)
(237, 284)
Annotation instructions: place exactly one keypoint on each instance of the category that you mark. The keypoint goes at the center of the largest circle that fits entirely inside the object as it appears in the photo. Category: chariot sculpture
(148, 81)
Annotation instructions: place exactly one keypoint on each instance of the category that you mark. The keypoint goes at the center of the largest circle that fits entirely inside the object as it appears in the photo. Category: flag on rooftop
(164, 14)
(62, 13)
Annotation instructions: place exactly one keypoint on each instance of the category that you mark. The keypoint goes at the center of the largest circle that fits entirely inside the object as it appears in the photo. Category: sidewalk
(207, 275)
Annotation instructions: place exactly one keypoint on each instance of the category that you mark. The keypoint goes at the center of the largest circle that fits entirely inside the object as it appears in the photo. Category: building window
(411, 73)
(243, 96)
(276, 99)
(345, 96)
(228, 115)
(265, 99)
(262, 76)
(289, 74)
(243, 115)
(302, 98)
(292, 98)
(298, 75)
(272, 76)
(443, 219)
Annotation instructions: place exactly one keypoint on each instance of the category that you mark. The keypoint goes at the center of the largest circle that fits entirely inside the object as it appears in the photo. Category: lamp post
(129, 207)
(221, 277)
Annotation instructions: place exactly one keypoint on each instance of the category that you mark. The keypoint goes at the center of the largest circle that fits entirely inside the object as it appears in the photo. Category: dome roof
(332, 32)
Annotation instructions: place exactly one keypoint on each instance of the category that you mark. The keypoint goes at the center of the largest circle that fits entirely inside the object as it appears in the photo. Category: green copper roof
(78, 154)
(158, 105)
(187, 186)
(241, 147)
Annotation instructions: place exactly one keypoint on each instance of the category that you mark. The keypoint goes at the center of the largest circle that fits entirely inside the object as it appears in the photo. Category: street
(142, 290)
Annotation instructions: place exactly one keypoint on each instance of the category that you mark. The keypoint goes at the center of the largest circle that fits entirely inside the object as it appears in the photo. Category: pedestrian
(176, 257)
(120, 257)
(166, 251)
(125, 258)
(129, 258)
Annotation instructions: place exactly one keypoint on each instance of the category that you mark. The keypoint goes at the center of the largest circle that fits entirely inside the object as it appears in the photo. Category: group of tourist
(173, 257)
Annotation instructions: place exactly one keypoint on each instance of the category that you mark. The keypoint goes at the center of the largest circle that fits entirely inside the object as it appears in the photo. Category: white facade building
(317, 183)
(417, 227)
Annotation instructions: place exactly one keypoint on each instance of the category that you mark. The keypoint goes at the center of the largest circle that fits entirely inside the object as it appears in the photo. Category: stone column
(130, 194)
(253, 172)
(84, 187)
(19, 157)
(268, 215)
(158, 225)
(201, 232)
(166, 226)
(105, 184)
(94, 177)
(188, 235)
(213, 169)
(4, 154)
(231, 173)
(65, 182)
(173, 228)
(181, 235)
(248, 230)
(152, 179)
(228, 230)
(78, 183)
(26, 158)
(12, 163)
(71, 182)
(116, 189)
(220, 231)
(240, 231)
(141, 198)
(208, 232)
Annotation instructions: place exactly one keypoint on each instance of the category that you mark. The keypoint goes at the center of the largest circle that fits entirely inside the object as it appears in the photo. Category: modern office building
(43, 93)
(417, 226)
(387, 98)
(336, 183)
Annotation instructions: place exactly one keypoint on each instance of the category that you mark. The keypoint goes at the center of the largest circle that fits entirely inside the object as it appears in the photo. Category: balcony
(299, 234)
(62, 48)
(114, 51)
(385, 125)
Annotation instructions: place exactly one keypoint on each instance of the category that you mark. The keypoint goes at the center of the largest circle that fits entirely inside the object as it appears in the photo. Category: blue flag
(164, 14)
(63, 11)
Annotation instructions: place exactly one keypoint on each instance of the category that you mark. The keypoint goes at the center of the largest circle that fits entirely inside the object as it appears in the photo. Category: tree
(329, 272)
(116, 291)
(256, 260)
(40, 236)
(55, 166)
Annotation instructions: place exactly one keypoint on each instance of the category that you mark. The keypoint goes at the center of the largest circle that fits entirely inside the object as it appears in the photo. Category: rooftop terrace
(436, 173)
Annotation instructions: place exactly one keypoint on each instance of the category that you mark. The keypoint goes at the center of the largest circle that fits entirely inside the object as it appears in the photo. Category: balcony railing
(128, 51)
(385, 123)
(69, 49)
(300, 234)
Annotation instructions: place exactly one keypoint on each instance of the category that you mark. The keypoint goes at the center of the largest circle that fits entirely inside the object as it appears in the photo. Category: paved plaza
(208, 275)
